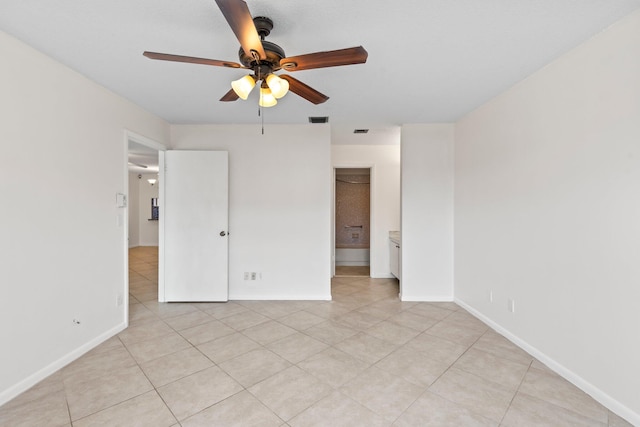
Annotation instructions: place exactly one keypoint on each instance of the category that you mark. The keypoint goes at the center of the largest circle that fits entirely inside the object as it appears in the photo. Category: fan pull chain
(260, 107)
(261, 112)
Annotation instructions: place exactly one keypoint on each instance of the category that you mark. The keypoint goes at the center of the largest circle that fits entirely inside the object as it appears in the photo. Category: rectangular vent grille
(318, 119)
(360, 130)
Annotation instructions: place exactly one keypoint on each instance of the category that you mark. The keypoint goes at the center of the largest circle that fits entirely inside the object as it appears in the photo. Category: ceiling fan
(264, 58)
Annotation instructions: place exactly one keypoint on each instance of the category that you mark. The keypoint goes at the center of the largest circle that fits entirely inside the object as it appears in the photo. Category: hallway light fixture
(152, 181)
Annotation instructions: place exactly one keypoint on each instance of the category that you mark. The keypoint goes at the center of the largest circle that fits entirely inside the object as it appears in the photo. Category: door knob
(222, 233)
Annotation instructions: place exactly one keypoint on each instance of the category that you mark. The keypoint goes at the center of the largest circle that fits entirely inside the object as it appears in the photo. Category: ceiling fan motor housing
(274, 52)
(263, 25)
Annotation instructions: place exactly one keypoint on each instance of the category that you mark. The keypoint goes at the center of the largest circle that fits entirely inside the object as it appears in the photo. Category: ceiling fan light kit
(243, 86)
(266, 98)
(264, 58)
(279, 87)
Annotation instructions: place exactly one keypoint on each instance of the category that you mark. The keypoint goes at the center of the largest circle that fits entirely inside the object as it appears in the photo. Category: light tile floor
(364, 359)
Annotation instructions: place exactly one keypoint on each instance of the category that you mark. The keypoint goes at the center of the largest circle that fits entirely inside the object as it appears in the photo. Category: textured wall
(279, 206)
(352, 208)
(547, 213)
(427, 212)
(66, 131)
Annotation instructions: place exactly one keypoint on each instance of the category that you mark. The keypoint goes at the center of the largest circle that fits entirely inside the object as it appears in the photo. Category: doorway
(352, 222)
(142, 231)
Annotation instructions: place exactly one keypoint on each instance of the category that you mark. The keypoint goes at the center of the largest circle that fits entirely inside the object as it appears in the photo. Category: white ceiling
(142, 159)
(429, 60)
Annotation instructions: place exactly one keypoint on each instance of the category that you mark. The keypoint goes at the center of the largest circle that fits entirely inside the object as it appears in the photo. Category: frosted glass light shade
(279, 87)
(242, 87)
(266, 98)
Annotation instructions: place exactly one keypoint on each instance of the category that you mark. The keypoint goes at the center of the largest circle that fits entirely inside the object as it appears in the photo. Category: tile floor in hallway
(364, 359)
(351, 270)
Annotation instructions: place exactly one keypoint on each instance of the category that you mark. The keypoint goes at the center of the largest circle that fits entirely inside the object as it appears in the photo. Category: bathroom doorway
(352, 222)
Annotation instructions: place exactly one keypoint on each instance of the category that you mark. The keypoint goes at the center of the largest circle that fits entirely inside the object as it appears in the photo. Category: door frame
(372, 216)
(151, 143)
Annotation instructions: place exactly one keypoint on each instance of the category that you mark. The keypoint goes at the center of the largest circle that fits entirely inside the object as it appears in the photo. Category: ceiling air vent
(319, 119)
(360, 130)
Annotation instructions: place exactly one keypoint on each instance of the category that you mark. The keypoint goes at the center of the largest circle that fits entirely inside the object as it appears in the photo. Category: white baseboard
(593, 391)
(352, 263)
(382, 276)
(427, 298)
(43, 373)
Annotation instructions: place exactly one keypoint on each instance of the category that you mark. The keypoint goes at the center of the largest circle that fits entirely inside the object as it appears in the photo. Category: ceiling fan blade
(305, 91)
(138, 165)
(332, 58)
(239, 18)
(230, 96)
(191, 60)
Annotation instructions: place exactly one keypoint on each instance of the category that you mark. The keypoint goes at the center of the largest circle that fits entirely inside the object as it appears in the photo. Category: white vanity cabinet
(394, 253)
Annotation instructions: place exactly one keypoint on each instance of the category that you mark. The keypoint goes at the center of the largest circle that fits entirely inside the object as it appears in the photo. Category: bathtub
(352, 256)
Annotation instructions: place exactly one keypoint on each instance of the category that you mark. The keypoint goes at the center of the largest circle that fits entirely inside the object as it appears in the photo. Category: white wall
(427, 212)
(134, 210)
(547, 201)
(279, 206)
(385, 195)
(62, 250)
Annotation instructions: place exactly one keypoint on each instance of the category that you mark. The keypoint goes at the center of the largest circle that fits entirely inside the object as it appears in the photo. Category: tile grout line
(125, 400)
(155, 389)
(515, 394)
(562, 408)
(447, 370)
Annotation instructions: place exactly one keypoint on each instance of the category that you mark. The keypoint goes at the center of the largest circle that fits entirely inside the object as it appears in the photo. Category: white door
(195, 213)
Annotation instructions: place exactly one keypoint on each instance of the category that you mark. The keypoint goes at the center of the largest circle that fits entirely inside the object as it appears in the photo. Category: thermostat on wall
(121, 200)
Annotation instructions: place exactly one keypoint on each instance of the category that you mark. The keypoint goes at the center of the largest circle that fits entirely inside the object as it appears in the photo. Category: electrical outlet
(511, 305)
(252, 275)
(119, 300)
(490, 296)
